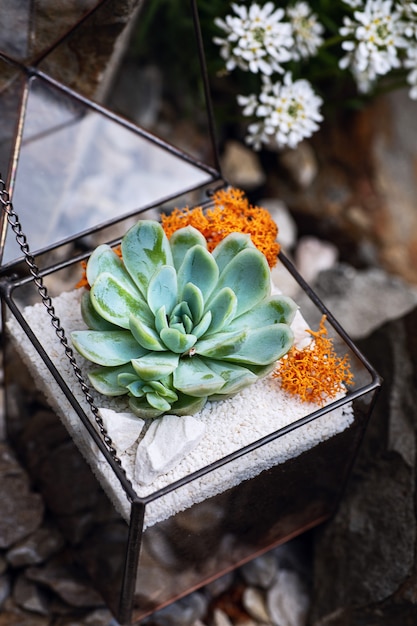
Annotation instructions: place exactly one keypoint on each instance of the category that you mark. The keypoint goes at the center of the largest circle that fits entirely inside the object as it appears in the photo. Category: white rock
(287, 228)
(123, 428)
(287, 601)
(166, 442)
(312, 256)
(220, 618)
(241, 166)
(254, 603)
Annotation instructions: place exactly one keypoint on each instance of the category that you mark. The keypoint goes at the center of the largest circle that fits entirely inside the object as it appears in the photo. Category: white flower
(256, 39)
(409, 10)
(307, 30)
(286, 113)
(411, 63)
(372, 42)
(354, 3)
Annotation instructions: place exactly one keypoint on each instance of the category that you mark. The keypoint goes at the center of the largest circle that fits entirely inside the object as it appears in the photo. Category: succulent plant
(171, 324)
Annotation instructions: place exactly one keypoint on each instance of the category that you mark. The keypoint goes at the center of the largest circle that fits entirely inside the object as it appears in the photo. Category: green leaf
(145, 248)
(235, 376)
(161, 320)
(264, 345)
(141, 408)
(105, 260)
(272, 310)
(184, 239)
(192, 295)
(157, 402)
(203, 325)
(107, 347)
(156, 365)
(146, 336)
(162, 289)
(229, 247)
(220, 345)
(223, 308)
(106, 380)
(188, 405)
(92, 319)
(115, 304)
(176, 341)
(194, 378)
(200, 269)
(248, 276)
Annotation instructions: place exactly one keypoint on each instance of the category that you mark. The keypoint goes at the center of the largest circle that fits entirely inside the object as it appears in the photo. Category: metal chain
(21, 239)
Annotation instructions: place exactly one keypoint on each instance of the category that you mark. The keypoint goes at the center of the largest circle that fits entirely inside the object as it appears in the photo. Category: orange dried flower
(231, 213)
(316, 373)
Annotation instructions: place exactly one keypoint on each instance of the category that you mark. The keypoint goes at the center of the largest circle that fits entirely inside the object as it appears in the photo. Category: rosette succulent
(171, 324)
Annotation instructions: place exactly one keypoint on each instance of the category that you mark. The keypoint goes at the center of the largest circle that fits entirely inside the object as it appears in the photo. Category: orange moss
(231, 213)
(316, 373)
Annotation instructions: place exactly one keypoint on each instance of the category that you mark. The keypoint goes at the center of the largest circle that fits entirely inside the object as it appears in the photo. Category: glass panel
(220, 533)
(30, 27)
(79, 168)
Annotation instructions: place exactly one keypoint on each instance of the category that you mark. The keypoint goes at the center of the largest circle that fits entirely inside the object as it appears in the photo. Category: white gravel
(230, 424)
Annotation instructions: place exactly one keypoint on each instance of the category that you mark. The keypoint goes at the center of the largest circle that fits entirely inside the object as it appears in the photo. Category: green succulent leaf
(162, 290)
(173, 325)
(221, 345)
(200, 269)
(158, 402)
(177, 341)
(194, 298)
(142, 408)
(248, 276)
(115, 304)
(194, 378)
(229, 247)
(106, 380)
(184, 239)
(223, 308)
(161, 320)
(187, 405)
(146, 336)
(136, 388)
(272, 310)
(264, 345)
(105, 260)
(107, 347)
(91, 318)
(235, 376)
(145, 248)
(203, 325)
(155, 366)
(259, 346)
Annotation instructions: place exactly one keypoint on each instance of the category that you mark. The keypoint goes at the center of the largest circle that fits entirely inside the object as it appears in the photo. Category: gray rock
(184, 612)
(5, 588)
(362, 300)
(365, 563)
(29, 596)
(68, 583)
(287, 600)
(261, 571)
(22, 509)
(37, 548)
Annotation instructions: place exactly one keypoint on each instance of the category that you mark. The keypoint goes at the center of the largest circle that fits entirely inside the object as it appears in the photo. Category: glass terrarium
(264, 470)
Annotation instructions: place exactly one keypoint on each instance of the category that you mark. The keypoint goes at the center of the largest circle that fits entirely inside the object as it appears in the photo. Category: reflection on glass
(79, 168)
(30, 27)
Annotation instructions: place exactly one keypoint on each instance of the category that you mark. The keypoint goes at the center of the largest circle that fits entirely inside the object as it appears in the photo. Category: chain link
(21, 239)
